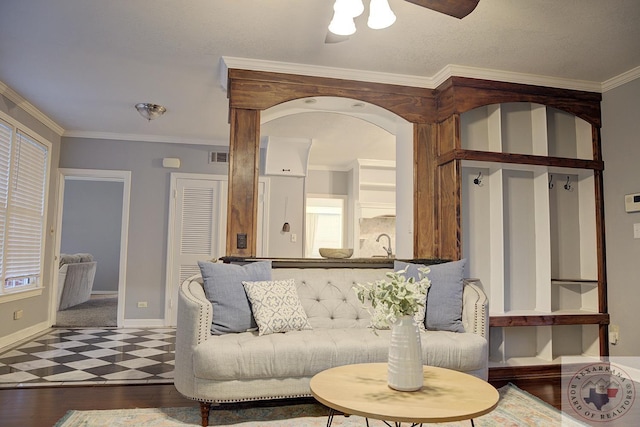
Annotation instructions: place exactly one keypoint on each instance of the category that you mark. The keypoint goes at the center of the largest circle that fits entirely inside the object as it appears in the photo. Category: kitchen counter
(381, 262)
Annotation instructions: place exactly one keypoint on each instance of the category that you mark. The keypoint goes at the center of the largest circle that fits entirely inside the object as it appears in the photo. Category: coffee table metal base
(333, 412)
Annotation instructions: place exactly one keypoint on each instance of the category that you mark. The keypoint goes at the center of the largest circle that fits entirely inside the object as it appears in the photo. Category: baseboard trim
(143, 323)
(22, 334)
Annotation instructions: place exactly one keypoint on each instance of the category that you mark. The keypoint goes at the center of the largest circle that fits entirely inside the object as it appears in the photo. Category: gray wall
(327, 182)
(621, 151)
(36, 309)
(285, 192)
(91, 223)
(149, 209)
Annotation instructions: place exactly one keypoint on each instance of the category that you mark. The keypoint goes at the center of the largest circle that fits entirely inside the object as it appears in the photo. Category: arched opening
(355, 150)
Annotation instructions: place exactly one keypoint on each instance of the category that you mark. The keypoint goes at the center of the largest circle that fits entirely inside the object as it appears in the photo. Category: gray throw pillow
(444, 298)
(223, 287)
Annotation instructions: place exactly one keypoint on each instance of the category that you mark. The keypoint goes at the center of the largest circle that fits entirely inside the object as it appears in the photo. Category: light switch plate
(636, 231)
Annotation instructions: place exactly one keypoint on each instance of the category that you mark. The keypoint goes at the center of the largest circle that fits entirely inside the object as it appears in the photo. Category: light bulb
(380, 15)
(342, 25)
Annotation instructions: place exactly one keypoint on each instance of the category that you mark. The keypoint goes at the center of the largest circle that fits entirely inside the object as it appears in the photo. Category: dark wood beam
(456, 8)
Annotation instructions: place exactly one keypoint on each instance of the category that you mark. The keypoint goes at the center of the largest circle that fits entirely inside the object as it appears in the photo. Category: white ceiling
(85, 63)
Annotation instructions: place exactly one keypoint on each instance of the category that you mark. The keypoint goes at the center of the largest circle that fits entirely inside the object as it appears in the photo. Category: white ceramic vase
(405, 356)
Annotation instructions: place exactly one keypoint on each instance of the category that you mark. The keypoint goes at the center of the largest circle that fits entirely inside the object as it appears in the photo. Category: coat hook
(567, 186)
(550, 182)
(478, 181)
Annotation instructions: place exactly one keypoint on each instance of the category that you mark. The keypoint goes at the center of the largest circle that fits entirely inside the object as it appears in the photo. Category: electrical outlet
(614, 334)
(241, 241)
(17, 314)
(142, 304)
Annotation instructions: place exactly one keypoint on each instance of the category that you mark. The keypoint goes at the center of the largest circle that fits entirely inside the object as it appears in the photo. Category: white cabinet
(287, 156)
(529, 231)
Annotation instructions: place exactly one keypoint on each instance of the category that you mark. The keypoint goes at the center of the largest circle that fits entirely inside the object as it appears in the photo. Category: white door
(197, 228)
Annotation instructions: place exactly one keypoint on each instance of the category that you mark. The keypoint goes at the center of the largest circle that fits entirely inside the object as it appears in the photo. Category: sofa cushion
(247, 356)
(444, 298)
(223, 288)
(327, 295)
(276, 306)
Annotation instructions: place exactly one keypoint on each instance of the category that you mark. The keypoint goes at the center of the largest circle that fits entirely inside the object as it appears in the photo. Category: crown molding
(227, 62)
(25, 105)
(513, 77)
(621, 79)
(133, 137)
(402, 79)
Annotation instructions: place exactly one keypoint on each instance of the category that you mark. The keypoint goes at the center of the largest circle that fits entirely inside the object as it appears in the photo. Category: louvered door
(198, 230)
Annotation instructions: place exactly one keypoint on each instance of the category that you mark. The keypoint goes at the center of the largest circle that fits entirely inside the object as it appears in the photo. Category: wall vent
(218, 157)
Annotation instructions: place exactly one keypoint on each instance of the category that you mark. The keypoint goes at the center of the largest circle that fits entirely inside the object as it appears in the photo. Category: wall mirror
(354, 183)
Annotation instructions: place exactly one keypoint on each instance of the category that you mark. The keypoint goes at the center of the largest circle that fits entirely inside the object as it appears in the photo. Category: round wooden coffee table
(362, 390)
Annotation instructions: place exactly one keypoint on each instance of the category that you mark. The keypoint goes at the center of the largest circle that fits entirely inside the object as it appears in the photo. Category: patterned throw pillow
(276, 306)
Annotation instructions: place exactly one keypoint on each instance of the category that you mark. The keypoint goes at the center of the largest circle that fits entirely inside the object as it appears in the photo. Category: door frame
(95, 175)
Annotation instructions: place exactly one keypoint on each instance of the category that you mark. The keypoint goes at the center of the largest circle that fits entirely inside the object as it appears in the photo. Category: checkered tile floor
(90, 356)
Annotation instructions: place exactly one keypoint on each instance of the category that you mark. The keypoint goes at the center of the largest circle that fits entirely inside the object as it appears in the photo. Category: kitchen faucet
(388, 250)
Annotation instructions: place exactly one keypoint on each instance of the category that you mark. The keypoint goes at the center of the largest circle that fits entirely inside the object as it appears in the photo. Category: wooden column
(244, 163)
(425, 224)
(449, 184)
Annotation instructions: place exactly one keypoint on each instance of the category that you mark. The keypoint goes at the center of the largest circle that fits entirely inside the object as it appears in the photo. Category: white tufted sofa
(245, 366)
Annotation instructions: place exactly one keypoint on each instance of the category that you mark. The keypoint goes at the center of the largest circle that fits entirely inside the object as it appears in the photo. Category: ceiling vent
(218, 157)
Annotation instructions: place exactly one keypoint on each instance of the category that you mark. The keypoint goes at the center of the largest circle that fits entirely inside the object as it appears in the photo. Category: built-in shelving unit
(529, 229)
(373, 194)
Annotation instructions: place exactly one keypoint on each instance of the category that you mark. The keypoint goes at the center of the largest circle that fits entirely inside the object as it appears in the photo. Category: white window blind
(23, 177)
(6, 136)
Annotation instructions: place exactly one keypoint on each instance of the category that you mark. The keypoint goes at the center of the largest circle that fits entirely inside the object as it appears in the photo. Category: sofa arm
(193, 327)
(475, 308)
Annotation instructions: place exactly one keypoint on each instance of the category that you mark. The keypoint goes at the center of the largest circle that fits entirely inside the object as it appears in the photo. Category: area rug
(99, 311)
(516, 409)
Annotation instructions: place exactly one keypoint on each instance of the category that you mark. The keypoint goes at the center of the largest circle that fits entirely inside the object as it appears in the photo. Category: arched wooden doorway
(251, 92)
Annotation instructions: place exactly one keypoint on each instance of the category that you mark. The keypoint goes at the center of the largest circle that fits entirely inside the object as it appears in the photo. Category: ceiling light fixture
(150, 111)
(380, 15)
(344, 11)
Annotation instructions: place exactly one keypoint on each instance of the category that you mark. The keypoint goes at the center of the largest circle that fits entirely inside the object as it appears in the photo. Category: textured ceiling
(85, 63)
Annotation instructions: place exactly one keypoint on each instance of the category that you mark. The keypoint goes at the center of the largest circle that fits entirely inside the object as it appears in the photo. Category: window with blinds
(23, 180)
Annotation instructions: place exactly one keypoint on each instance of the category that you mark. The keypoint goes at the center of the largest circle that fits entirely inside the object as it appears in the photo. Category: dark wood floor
(39, 407)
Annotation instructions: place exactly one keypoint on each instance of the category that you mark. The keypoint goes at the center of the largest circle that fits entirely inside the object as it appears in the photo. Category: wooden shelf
(574, 282)
(522, 159)
(549, 319)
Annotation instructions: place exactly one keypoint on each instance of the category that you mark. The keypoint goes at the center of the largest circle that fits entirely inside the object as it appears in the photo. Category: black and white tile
(90, 356)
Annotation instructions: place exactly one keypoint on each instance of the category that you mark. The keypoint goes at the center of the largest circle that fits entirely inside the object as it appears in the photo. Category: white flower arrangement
(396, 297)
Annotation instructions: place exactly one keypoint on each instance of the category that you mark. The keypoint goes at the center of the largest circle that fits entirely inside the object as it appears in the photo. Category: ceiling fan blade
(456, 8)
